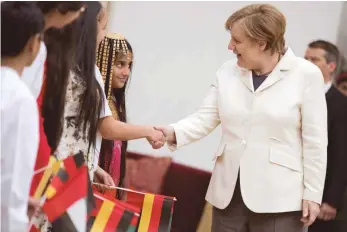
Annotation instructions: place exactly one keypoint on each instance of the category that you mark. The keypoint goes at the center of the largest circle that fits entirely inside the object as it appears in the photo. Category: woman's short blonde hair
(261, 22)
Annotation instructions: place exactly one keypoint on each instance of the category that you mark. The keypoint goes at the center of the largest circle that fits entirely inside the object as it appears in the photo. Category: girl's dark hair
(91, 102)
(62, 6)
(72, 48)
(119, 95)
(60, 47)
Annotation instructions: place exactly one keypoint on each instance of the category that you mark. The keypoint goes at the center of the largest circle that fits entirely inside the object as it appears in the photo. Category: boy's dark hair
(19, 22)
(62, 6)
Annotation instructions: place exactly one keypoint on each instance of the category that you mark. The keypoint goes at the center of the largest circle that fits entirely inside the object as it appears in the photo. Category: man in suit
(326, 56)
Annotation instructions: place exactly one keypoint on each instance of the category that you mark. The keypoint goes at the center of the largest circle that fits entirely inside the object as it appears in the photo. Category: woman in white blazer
(270, 165)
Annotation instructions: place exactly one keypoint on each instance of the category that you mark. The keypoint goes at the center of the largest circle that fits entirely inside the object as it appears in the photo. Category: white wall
(178, 47)
(342, 32)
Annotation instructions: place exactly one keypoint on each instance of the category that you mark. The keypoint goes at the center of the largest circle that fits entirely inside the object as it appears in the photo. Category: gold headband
(119, 45)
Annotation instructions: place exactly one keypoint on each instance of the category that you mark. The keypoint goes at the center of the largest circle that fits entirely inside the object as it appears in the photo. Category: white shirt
(105, 112)
(327, 86)
(33, 76)
(19, 145)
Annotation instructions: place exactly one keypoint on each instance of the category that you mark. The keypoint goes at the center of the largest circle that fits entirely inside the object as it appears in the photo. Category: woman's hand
(169, 133)
(103, 177)
(310, 211)
(156, 138)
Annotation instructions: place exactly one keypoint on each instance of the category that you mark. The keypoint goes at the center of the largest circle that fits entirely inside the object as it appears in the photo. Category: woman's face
(248, 52)
(121, 71)
(102, 25)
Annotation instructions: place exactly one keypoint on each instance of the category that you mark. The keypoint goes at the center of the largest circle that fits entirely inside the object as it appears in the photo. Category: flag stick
(125, 189)
(41, 169)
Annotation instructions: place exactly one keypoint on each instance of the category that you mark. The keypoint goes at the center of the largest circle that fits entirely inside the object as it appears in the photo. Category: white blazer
(276, 136)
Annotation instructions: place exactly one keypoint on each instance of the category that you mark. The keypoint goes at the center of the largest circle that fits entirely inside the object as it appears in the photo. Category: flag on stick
(51, 169)
(112, 215)
(157, 210)
(156, 215)
(69, 196)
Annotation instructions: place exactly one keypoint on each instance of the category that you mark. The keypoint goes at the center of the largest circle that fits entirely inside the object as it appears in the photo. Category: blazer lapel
(279, 72)
(272, 79)
(246, 78)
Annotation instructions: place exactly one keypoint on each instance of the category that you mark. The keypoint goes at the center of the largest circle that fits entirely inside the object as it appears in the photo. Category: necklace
(114, 109)
(263, 75)
(268, 73)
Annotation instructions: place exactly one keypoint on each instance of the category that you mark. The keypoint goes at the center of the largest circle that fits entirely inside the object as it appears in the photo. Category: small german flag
(156, 215)
(69, 196)
(70, 168)
(112, 215)
(52, 169)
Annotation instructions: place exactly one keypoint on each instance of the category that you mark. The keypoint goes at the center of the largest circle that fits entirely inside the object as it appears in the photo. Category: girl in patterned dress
(75, 109)
(72, 102)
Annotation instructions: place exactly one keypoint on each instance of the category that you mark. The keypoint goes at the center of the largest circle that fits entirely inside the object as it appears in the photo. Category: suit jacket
(276, 136)
(336, 176)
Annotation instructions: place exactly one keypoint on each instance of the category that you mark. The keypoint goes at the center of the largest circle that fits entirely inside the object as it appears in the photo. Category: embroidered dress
(73, 140)
(113, 46)
(112, 163)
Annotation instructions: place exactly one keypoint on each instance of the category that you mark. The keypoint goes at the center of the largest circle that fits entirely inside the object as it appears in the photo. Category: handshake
(159, 135)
